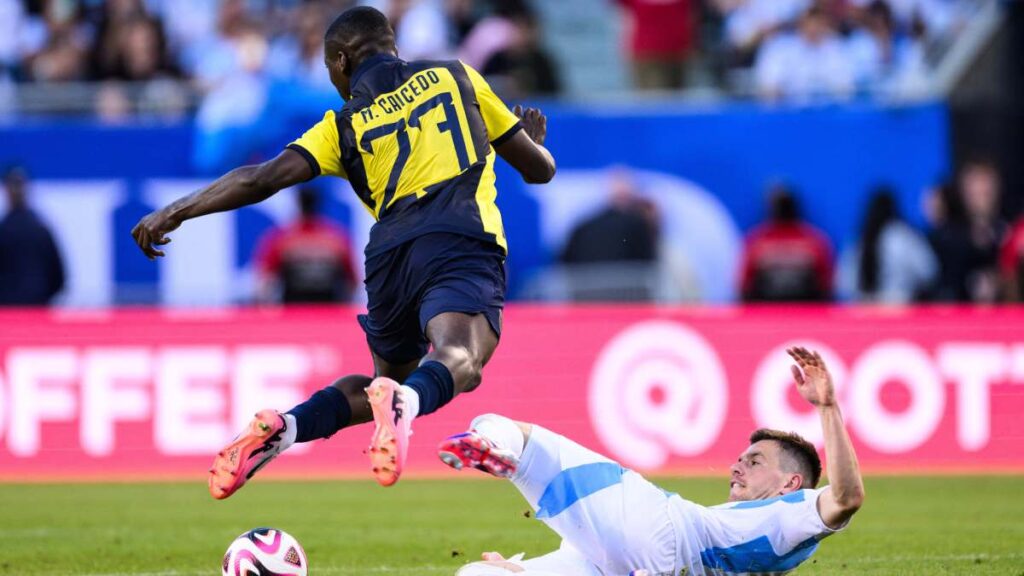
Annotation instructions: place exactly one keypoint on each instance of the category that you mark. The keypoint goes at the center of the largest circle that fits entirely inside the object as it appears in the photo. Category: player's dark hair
(360, 31)
(794, 447)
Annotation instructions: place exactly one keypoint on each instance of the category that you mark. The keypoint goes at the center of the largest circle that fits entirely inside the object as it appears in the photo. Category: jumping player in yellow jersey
(417, 141)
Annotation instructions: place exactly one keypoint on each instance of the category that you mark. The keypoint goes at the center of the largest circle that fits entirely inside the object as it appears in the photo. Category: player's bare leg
(462, 343)
(270, 432)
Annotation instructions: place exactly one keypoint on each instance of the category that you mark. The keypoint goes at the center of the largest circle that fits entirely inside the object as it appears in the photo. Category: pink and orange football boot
(389, 444)
(258, 444)
(473, 450)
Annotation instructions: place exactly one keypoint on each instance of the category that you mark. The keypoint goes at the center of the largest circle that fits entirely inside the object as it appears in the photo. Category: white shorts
(613, 517)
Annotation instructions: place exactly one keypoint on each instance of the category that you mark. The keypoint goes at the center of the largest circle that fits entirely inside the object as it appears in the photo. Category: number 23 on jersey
(413, 138)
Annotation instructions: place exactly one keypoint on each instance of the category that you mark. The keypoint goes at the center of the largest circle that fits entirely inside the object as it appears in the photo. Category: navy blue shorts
(429, 275)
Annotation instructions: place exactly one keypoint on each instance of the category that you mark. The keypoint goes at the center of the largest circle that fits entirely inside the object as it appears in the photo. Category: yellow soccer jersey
(415, 141)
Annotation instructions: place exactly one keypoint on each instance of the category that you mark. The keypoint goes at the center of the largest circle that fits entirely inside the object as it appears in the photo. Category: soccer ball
(264, 552)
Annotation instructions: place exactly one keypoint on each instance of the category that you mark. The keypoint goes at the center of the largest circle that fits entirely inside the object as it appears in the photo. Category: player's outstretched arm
(240, 187)
(846, 488)
(525, 150)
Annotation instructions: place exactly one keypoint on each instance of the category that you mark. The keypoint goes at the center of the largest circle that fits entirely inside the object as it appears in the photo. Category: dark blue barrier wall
(87, 149)
(832, 155)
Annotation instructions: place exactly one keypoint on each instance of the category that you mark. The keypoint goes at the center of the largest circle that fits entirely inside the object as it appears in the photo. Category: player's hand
(535, 123)
(152, 231)
(813, 380)
(496, 559)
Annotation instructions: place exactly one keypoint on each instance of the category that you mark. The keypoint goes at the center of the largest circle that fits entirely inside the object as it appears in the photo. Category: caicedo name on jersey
(407, 94)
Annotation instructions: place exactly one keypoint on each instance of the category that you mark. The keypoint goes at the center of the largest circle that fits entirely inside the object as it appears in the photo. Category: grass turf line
(910, 525)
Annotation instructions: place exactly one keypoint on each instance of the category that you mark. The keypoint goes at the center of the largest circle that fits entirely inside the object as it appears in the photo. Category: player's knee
(486, 417)
(472, 379)
(465, 366)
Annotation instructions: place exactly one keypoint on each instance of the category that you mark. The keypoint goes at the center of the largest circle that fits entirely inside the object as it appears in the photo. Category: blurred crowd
(235, 45)
(792, 49)
(797, 49)
(967, 252)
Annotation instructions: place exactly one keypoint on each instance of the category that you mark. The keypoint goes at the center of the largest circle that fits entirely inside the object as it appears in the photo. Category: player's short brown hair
(798, 450)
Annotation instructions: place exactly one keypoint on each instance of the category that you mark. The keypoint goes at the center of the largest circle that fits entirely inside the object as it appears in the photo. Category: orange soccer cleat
(258, 444)
(389, 444)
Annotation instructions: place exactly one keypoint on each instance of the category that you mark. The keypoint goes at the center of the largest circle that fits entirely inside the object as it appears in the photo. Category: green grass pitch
(910, 525)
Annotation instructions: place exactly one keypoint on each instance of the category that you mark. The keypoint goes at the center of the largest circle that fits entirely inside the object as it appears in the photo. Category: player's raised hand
(535, 123)
(813, 380)
(152, 231)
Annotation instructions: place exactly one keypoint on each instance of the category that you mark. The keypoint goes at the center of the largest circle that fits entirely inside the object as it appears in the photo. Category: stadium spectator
(892, 263)
(109, 48)
(462, 17)
(493, 34)
(421, 29)
(229, 52)
(810, 64)
(523, 68)
(934, 17)
(299, 56)
(31, 269)
(621, 232)
(308, 261)
(1011, 263)
(786, 259)
(62, 41)
(191, 27)
(967, 241)
(941, 204)
(748, 23)
(660, 37)
(613, 254)
(883, 58)
(13, 21)
(113, 105)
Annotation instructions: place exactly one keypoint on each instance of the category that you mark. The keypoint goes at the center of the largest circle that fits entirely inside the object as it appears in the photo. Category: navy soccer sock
(322, 415)
(434, 384)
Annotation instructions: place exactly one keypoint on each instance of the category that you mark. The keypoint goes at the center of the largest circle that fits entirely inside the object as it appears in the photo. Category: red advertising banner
(152, 393)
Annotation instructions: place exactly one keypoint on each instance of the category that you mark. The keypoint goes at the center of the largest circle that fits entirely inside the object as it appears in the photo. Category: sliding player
(614, 522)
(417, 141)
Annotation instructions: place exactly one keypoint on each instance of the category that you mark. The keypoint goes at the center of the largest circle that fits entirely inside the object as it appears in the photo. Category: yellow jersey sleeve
(320, 147)
(500, 121)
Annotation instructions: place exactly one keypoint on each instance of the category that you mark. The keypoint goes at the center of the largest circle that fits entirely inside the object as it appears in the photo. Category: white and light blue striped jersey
(771, 536)
(616, 522)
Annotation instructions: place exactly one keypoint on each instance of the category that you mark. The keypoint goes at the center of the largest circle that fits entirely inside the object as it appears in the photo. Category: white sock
(290, 430)
(501, 431)
(411, 399)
